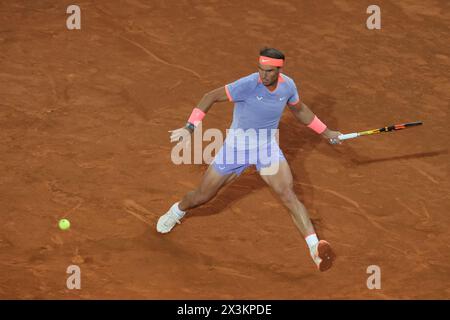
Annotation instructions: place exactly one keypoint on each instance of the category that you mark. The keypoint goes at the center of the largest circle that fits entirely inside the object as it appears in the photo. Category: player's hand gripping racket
(379, 130)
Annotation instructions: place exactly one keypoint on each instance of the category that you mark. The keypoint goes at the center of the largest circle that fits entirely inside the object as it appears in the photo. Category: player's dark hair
(271, 53)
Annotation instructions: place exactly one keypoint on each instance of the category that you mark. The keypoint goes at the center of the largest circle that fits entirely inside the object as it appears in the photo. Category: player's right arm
(216, 95)
(206, 102)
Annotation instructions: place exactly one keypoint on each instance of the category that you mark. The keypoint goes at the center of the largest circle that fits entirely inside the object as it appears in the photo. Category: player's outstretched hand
(332, 136)
(179, 135)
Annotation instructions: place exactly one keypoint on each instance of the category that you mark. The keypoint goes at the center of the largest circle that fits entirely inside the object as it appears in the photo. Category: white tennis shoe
(168, 220)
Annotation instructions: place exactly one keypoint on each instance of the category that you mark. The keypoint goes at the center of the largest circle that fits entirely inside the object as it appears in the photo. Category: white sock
(177, 210)
(311, 240)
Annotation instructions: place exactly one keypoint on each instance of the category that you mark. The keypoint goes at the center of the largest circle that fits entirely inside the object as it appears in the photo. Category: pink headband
(267, 61)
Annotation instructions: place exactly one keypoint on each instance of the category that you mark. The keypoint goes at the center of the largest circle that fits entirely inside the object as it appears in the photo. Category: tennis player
(259, 100)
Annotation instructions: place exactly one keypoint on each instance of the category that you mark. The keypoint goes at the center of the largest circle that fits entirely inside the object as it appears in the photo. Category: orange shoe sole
(326, 254)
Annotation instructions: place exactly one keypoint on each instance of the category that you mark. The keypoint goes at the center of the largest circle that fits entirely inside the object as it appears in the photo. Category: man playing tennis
(259, 99)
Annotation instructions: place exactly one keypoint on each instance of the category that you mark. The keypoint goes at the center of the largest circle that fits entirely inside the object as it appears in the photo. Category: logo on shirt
(282, 98)
(259, 98)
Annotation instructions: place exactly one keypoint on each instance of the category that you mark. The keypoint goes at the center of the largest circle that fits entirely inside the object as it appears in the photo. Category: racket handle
(347, 136)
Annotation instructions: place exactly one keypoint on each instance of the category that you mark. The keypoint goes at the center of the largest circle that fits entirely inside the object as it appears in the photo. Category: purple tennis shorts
(231, 159)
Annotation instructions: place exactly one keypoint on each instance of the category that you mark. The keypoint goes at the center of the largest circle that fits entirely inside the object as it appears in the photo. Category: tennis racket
(394, 127)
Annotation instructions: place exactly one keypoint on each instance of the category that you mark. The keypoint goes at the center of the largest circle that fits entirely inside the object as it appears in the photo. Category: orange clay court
(84, 120)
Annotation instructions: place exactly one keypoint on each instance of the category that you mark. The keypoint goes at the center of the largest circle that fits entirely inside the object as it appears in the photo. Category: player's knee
(283, 188)
(287, 194)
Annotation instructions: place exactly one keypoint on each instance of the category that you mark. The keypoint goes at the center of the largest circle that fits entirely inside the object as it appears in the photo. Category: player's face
(268, 74)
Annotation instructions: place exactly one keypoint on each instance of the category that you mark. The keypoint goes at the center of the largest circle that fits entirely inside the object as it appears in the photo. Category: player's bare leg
(281, 182)
(211, 183)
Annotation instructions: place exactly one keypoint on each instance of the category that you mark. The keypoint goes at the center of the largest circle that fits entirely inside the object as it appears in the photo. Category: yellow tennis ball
(64, 224)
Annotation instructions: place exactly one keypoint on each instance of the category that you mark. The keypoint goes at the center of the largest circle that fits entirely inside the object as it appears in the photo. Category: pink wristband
(196, 117)
(317, 125)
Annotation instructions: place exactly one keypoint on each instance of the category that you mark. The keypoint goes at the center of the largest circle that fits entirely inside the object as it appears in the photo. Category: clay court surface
(84, 116)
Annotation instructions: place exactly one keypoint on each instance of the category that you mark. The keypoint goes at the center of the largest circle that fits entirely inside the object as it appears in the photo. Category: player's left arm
(304, 114)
